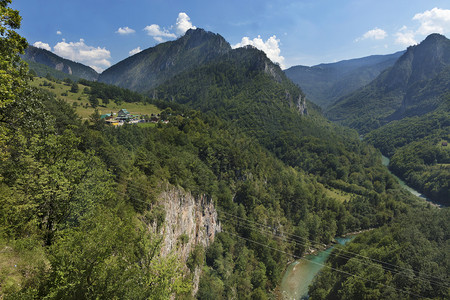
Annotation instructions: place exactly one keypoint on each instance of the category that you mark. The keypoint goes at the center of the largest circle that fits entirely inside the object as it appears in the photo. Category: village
(123, 116)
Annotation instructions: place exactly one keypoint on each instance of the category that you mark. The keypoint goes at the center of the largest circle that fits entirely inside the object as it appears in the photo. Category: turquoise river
(300, 274)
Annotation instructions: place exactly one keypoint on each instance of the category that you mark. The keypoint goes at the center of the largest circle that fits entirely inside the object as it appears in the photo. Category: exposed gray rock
(187, 216)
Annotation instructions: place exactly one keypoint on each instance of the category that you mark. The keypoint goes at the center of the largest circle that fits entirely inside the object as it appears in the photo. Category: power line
(326, 266)
(305, 240)
(289, 238)
(419, 276)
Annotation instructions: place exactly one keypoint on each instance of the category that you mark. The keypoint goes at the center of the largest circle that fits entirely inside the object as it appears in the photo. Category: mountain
(416, 84)
(155, 65)
(43, 62)
(325, 83)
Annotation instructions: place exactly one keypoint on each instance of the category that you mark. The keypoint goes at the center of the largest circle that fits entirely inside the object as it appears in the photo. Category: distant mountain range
(43, 62)
(415, 85)
(325, 83)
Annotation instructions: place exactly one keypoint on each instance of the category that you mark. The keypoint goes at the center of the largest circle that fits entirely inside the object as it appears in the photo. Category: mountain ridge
(327, 82)
(414, 85)
(155, 65)
(34, 55)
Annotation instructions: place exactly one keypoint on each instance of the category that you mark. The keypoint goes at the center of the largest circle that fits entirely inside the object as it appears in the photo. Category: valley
(237, 169)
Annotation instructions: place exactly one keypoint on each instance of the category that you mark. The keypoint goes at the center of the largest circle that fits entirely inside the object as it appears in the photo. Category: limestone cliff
(301, 105)
(189, 221)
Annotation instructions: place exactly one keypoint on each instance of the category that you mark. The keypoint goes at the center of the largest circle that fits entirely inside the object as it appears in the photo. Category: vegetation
(78, 200)
(80, 100)
(412, 87)
(324, 84)
(408, 259)
(415, 146)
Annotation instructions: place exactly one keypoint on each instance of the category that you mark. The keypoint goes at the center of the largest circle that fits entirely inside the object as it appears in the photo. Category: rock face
(189, 221)
(301, 105)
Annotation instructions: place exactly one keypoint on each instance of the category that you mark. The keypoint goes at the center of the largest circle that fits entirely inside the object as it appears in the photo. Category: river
(385, 161)
(300, 274)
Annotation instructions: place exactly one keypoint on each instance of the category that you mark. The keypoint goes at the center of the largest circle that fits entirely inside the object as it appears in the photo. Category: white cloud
(58, 32)
(183, 23)
(270, 47)
(42, 45)
(374, 34)
(159, 39)
(125, 30)
(433, 21)
(135, 51)
(95, 57)
(160, 35)
(405, 37)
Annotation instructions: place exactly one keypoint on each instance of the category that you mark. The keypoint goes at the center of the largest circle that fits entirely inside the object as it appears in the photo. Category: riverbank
(300, 273)
(385, 162)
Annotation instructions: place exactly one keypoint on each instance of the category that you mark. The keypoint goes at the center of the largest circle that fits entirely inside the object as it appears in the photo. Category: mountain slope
(36, 57)
(415, 85)
(153, 66)
(249, 92)
(416, 148)
(325, 83)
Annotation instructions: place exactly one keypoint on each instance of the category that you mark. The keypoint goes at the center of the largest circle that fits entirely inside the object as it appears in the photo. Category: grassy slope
(82, 100)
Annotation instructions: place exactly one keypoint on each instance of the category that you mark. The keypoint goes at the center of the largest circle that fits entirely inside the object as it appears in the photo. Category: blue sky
(100, 33)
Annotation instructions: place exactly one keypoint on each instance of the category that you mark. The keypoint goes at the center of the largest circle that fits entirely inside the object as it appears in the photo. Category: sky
(100, 33)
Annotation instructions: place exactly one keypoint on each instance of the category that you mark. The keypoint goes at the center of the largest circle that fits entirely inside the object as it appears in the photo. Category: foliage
(414, 86)
(107, 92)
(405, 260)
(417, 153)
(12, 69)
(88, 193)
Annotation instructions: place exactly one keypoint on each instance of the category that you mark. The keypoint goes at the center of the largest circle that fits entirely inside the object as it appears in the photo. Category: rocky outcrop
(301, 105)
(270, 69)
(189, 221)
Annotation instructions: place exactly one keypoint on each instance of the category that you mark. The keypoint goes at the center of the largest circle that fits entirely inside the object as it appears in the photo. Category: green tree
(74, 88)
(13, 71)
(93, 100)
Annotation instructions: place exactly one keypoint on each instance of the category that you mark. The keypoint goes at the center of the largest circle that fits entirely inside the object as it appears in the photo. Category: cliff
(189, 221)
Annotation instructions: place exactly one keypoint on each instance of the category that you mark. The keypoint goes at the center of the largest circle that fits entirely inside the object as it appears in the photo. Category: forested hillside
(408, 259)
(419, 151)
(81, 208)
(155, 65)
(417, 84)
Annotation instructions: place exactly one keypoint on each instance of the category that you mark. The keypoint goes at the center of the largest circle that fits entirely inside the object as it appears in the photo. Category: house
(123, 114)
(444, 144)
(107, 116)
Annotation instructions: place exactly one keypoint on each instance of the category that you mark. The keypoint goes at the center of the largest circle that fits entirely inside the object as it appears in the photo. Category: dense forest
(409, 259)
(418, 151)
(79, 199)
(415, 85)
